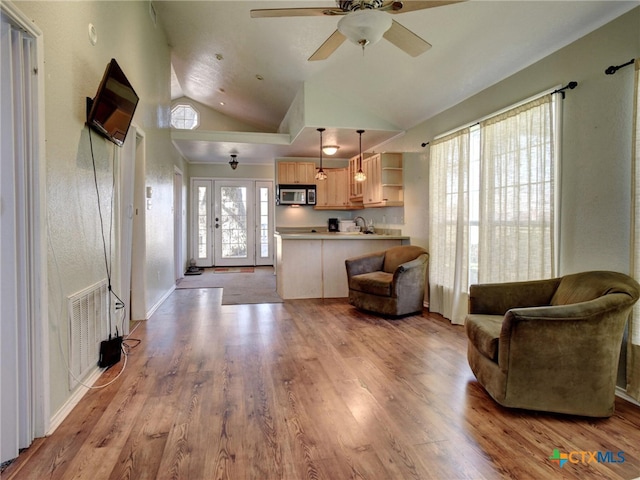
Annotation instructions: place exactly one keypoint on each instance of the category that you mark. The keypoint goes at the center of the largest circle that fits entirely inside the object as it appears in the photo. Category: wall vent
(88, 326)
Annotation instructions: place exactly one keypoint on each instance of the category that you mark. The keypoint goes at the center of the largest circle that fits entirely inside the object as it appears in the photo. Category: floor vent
(88, 326)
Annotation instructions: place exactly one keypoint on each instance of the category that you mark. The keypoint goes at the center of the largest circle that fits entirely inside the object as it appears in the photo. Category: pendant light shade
(321, 175)
(233, 162)
(359, 175)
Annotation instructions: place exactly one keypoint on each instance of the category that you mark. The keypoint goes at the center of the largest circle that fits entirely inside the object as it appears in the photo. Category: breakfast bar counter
(311, 264)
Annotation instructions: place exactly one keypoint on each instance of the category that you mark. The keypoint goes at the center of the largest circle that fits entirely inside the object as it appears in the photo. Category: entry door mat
(233, 270)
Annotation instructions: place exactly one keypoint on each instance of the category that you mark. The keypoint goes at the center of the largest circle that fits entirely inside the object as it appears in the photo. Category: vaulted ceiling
(256, 70)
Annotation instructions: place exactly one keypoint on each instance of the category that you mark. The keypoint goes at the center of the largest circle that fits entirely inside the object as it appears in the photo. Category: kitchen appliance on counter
(334, 225)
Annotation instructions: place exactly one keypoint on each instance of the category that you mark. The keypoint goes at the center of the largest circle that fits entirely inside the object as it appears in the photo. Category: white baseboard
(622, 393)
(73, 400)
(152, 310)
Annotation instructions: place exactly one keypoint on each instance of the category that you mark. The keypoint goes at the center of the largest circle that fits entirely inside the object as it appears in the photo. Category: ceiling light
(321, 175)
(233, 162)
(365, 27)
(360, 176)
(330, 149)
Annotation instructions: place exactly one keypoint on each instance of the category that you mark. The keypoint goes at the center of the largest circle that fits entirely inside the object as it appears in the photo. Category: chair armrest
(370, 262)
(497, 298)
(410, 273)
(564, 333)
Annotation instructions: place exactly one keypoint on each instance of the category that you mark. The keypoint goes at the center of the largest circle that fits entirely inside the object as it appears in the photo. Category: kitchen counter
(339, 236)
(312, 264)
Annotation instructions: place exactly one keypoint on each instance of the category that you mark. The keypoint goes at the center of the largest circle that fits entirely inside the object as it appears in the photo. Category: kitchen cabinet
(355, 188)
(384, 185)
(333, 192)
(296, 172)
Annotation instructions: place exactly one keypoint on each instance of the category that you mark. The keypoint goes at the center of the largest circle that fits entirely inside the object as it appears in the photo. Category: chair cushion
(396, 256)
(376, 283)
(483, 331)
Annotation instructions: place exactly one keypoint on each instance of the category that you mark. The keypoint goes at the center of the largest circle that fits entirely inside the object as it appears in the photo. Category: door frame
(193, 218)
(138, 305)
(178, 223)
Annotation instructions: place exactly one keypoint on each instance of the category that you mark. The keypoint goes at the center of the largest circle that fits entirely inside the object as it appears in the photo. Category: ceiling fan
(364, 22)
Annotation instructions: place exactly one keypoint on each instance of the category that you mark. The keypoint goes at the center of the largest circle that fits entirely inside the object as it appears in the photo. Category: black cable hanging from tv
(613, 69)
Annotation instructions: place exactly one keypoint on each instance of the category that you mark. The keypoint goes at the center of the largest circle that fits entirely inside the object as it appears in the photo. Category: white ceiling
(475, 44)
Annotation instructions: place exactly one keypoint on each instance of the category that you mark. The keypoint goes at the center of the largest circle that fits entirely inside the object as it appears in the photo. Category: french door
(232, 222)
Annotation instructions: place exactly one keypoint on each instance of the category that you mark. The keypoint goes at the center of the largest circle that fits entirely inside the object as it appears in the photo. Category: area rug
(238, 288)
(233, 270)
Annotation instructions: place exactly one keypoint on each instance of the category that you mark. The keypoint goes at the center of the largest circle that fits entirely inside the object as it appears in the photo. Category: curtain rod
(551, 91)
(611, 70)
(571, 85)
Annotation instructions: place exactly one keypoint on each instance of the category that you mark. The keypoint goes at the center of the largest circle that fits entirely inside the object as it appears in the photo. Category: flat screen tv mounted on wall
(110, 112)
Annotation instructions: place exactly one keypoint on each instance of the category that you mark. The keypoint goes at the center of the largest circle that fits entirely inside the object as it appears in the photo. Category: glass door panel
(264, 225)
(202, 202)
(234, 221)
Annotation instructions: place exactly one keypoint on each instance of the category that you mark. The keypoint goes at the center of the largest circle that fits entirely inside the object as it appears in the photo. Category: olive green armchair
(390, 282)
(551, 345)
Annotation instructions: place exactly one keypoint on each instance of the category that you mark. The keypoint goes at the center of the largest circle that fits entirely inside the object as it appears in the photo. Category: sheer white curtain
(449, 226)
(633, 350)
(516, 217)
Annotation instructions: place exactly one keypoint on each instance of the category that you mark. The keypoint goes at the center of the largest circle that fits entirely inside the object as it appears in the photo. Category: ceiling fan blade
(296, 12)
(412, 5)
(406, 40)
(330, 45)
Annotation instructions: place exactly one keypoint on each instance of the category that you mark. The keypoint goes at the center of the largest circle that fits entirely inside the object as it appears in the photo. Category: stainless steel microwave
(296, 195)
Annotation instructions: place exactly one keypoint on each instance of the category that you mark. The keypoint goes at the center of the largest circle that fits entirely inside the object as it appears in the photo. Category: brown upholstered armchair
(390, 282)
(551, 345)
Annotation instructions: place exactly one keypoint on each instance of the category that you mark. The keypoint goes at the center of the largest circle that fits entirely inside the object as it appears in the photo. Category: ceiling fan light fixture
(365, 27)
(233, 162)
(330, 149)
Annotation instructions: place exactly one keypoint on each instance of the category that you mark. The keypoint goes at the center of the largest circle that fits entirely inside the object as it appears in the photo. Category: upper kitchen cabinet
(355, 188)
(384, 184)
(296, 172)
(333, 192)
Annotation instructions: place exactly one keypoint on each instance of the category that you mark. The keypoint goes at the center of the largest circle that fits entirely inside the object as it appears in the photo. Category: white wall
(595, 204)
(73, 69)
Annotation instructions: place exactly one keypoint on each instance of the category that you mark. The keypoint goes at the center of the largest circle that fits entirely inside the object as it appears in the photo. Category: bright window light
(184, 117)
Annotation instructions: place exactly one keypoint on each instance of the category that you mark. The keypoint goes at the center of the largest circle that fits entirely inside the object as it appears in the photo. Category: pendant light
(321, 175)
(233, 162)
(360, 176)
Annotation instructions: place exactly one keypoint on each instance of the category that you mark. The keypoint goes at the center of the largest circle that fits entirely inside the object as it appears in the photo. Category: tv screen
(113, 106)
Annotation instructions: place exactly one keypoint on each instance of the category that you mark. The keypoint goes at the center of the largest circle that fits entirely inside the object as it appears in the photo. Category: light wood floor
(311, 389)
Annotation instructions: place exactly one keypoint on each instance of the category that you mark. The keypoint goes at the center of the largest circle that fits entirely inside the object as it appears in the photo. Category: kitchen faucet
(364, 223)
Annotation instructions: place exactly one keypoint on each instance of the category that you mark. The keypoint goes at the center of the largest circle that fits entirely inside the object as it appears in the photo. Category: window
(184, 117)
(492, 208)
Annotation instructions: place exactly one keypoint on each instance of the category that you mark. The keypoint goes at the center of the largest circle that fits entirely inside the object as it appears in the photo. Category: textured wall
(73, 69)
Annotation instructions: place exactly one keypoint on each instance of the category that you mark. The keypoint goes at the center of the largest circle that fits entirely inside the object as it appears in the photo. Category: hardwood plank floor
(311, 389)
